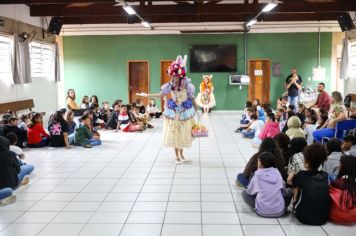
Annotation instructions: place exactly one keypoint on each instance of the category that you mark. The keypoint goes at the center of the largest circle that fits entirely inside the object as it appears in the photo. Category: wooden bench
(18, 106)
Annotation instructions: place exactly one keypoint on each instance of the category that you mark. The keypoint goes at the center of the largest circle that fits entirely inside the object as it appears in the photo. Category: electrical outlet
(2, 23)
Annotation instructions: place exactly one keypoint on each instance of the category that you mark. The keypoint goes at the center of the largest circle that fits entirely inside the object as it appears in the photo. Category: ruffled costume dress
(178, 115)
(206, 98)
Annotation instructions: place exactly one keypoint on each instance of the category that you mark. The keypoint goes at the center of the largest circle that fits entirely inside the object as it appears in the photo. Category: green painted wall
(98, 64)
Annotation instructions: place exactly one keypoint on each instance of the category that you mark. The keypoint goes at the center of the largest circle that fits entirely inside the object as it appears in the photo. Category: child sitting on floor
(254, 129)
(125, 124)
(12, 175)
(85, 103)
(245, 116)
(104, 112)
(270, 130)
(245, 123)
(349, 145)
(83, 134)
(310, 193)
(343, 192)
(295, 128)
(12, 127)
(309, 128)
(331, 165)
(69, 118)
(296, 162)
(140, 117)
(36, 135)
(25, 168)
(152, 109)
(114, 116)
(266, 192)
(59, 130)
(301, 113)
(23, 122)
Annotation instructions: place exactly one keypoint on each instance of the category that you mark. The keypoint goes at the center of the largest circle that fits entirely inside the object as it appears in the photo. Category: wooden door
(164, 76)
(259, 87)
(138, 79)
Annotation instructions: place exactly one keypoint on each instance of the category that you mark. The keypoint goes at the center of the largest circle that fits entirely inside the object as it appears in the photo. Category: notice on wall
(258, 72)
(319, 73)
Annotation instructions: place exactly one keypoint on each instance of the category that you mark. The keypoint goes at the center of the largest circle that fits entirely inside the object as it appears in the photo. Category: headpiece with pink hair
(178, 67)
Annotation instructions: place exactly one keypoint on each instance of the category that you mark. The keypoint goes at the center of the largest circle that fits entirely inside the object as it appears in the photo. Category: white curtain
(344, 65)
(21, 65)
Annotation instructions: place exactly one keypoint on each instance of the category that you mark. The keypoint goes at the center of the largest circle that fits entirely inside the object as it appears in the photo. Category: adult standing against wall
(323, 101)
(293, 86)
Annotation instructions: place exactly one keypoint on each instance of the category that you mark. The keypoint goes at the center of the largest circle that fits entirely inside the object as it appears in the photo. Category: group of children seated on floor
(64, 130)
(319, 180)
(260, 121)
(293, 170)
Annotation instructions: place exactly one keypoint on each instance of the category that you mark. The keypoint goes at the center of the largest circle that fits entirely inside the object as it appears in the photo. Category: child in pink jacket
(270, 130)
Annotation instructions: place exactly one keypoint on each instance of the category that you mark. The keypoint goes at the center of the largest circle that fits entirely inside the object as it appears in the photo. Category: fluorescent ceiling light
(129, 10)
(145, 24)
(269, 7)
(251, 22)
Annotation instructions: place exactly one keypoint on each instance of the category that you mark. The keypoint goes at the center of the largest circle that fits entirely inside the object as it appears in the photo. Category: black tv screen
(213, 58)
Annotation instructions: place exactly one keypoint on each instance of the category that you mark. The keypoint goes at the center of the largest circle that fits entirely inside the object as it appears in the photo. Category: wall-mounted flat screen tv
(213, 58)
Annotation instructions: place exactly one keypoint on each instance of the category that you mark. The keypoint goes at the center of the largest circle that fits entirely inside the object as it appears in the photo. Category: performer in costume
(180, 110)
(206, 98)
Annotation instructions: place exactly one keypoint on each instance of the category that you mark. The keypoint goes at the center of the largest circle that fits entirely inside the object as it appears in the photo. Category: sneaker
(179, 161)
(25, 180)
(87, 146)
(237, 182)
(8, 200)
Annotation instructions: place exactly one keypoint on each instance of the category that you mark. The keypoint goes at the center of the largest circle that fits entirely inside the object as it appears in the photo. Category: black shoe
(150, 126)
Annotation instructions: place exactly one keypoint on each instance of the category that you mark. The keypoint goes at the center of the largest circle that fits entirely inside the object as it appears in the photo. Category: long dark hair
(34, 117)
(297, 145)
(96, 99)
(58, 117)
(283, 141)
(348, 173)
(324, 117)
(267, 145)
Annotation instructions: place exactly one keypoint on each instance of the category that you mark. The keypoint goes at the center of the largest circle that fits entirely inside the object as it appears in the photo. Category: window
(352, 59)
(5, 59)
(42, 60)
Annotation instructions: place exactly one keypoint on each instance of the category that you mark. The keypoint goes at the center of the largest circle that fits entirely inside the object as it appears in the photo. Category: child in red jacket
(36, 135)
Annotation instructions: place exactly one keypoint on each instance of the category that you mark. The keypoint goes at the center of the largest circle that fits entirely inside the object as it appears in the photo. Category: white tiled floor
(131, 186)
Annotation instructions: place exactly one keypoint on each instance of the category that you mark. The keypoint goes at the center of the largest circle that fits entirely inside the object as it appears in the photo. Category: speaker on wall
(55, 25)
(345, 22)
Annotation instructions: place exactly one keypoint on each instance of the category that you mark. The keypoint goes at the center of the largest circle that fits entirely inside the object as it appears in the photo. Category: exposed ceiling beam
(204, 18)
(37, 2)
(222, 9)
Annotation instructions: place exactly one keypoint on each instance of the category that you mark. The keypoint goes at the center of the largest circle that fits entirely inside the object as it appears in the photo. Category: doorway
(138, 80)
(259, 87)
(165, 78)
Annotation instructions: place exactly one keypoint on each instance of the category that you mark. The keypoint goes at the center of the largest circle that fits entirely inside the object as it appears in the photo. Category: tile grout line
(227, 176)
(82, 190)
